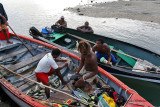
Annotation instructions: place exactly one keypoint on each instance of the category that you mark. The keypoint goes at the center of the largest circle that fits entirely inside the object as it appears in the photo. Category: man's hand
(77, 72)
(109, 63)
(66, 63)
(6, 23)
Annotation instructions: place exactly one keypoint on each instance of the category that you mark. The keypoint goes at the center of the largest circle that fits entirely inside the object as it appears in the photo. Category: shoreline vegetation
(143, 10)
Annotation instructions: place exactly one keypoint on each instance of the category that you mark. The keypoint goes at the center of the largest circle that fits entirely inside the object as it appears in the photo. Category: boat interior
(18, 59)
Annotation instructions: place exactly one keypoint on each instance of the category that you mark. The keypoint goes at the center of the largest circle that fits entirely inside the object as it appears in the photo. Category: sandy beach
(143, 10)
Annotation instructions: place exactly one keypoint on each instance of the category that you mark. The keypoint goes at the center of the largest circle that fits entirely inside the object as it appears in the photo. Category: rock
(81, 14)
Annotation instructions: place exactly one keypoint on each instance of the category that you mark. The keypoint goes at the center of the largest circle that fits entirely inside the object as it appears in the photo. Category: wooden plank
(14, 54)
(26, 62)
(9, 46)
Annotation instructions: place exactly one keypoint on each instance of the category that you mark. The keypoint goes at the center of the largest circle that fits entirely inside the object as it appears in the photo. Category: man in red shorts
(47, 66)
(3, 22)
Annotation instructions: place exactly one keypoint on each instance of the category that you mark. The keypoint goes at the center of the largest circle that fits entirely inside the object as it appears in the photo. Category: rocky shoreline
(143, 10)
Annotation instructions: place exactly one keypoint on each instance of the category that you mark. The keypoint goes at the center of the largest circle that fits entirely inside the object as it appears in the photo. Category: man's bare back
(104, 49)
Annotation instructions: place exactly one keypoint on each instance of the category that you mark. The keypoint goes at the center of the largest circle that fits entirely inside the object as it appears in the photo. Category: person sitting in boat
(85, 28)
(3, 22)
(103, 50)
(61, 22)
(47, 66)
(88, 66)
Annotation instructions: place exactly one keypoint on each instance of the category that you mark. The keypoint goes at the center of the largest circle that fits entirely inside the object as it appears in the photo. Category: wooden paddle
(95, 43)
(21, 40)
(47, 86)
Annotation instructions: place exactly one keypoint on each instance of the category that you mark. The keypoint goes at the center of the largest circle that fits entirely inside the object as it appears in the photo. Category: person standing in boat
(103, 50)
(3, 22)
(85, 28)
(47, 66)
(88, 66)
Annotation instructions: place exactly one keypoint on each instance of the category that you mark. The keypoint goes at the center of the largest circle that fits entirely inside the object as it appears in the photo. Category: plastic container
(2, 37)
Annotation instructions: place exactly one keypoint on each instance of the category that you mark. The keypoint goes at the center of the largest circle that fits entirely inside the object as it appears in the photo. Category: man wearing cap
(61, 22)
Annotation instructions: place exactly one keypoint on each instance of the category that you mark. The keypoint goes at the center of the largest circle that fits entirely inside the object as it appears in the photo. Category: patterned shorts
(3, 26)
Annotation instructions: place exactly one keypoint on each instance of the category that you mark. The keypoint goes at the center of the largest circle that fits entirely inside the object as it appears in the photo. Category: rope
(47, 86)
(111, 49)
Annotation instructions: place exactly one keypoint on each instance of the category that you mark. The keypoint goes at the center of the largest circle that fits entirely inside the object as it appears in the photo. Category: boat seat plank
(13, 54)
(2, 48)
(27, 62)
(26, 86)
(127, 59)
(60, 97)
(24, 82)
(57, 36)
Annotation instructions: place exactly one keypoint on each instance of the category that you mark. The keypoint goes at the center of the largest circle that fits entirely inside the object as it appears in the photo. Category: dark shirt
(2, 11)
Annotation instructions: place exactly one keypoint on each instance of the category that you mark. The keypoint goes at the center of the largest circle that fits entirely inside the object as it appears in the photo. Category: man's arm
(94, 48)
(80, 65)
(60, 60)
(80, 28)
(4, 18)
(57, 23)
(62, 66)
(90, 30)
(109, 55)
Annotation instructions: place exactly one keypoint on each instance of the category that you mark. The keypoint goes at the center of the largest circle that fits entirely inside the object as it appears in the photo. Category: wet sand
(143, 10)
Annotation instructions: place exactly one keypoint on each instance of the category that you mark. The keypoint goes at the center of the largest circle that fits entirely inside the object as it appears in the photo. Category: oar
(95, 43)
(47, 86)
(21, 40)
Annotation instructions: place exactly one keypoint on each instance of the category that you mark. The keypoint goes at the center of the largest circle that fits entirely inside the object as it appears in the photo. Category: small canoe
(132, 61)
(17, 79)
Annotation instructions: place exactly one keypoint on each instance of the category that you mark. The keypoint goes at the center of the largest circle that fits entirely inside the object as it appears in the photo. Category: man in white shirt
(47, 66)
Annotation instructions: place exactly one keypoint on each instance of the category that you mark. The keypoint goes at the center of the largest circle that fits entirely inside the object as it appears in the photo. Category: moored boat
(132, 61)
(21, 86)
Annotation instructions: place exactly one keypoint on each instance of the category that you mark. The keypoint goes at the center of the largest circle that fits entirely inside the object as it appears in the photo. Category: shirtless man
(103, 50)
(4, 23)
(61, 22)
(47, 66)
(88, 66)
(85, 28)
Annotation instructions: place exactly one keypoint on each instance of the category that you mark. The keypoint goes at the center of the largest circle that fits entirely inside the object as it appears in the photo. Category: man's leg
(43, 77)
(5, 34)
(80, 83)
(47, 90)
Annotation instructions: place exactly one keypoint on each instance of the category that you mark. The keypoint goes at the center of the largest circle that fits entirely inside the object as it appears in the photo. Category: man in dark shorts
(88, 66)
(103, 50)
(3, 22)
(47, 66)
(85, 28)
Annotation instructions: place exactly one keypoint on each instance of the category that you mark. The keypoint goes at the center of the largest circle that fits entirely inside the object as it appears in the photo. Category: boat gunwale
(19, 94)
(114, 39)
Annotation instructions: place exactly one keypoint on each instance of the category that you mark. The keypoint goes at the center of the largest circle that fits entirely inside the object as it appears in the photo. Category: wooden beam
(26, 62)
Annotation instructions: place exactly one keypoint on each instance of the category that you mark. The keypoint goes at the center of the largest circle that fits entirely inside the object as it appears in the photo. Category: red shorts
(43, 77)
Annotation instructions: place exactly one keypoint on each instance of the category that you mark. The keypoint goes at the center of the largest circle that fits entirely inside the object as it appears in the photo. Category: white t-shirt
(46, 63)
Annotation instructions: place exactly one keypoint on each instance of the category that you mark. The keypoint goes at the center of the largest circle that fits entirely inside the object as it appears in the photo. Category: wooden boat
(18, 79)
(132, 61)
